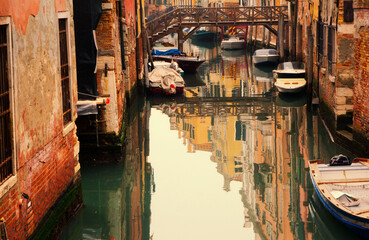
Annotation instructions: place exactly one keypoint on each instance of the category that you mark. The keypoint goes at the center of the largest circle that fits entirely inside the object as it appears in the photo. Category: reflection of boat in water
(187, 63)
(229, 55)
(232, 43)
(193, 80)
(169, 100)
(284, 100)
(343, 189)
(263, 73)
(165, 80)
(264, 56)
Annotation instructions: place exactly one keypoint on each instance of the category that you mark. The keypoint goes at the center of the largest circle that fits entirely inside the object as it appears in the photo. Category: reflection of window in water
(240, 131)
(237, 170)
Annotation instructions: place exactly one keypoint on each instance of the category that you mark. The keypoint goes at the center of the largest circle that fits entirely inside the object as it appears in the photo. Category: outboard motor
(339, 160)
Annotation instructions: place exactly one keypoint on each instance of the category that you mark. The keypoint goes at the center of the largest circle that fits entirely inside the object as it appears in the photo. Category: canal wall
(119, 67)
(339, 31)
(39, 59)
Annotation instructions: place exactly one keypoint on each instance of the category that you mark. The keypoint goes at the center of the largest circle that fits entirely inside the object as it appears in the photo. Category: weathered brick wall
(45, 159)
(110, 73)
(43, 178)
(361, 86)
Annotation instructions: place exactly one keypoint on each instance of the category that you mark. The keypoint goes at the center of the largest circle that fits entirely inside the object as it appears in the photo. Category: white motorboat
(264, 56)
(290, 85)
(165, 80)
(232, 43)
(290, 70)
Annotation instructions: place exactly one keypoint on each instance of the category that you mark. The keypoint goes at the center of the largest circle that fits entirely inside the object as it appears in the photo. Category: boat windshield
(266, 52)
(291, 65)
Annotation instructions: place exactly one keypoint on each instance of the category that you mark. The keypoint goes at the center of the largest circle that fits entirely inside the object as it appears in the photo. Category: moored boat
(290, 70)
(203, 35)
(343, 188)
(164, 80)
(232, 43)
(173, 65)
(290, 85)
(186, 63)
(265, 56)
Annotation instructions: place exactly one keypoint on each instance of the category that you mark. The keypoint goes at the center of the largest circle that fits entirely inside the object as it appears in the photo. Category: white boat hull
(290, 85)
(232, 45)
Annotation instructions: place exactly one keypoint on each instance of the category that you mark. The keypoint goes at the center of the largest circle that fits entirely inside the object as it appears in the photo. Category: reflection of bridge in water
(179, 18)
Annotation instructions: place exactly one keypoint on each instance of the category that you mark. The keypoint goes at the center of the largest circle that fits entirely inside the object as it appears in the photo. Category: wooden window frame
(11, 179)
(67, 127)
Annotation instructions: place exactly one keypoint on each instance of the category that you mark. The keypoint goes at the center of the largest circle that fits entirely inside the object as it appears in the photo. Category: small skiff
(232, 43)
(290, 85)
(290, 70)
(344, 191)
(265, 56)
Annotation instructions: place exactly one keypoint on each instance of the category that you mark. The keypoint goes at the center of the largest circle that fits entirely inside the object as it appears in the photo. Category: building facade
(39, 148)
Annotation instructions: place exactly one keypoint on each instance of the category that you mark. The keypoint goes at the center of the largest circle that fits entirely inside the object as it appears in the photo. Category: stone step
(346, 134)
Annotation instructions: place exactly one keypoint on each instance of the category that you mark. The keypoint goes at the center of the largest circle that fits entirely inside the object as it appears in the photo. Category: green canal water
(227, 160)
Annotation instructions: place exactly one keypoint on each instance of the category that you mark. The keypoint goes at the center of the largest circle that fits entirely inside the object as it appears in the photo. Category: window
(240, 133)
(64, 70)
(320, 42)
(6, 163)
(348, 11)
(331, 49)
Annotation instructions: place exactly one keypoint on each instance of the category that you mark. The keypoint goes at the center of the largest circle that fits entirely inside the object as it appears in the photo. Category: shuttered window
(64, 69)
(348, 11)
(331, 49)
(6, 168)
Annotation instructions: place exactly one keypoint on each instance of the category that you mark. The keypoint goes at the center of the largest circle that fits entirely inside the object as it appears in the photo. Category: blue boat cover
(168, 52)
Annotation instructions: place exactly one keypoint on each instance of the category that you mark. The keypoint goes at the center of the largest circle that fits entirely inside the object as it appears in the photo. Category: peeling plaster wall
(46, 158)
(37, 81)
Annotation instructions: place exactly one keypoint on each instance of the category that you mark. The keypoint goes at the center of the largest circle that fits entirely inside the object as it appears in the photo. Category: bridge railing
(190, 16)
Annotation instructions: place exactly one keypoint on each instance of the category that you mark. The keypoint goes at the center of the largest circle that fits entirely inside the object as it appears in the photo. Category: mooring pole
(180, 39)
(281, 37)
(310, 68)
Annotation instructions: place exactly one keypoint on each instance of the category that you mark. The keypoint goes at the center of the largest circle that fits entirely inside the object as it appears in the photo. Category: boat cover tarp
(166, 78)
(169, 52)
(87, 14)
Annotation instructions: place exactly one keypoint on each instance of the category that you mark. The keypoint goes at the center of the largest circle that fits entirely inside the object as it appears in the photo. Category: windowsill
(67, 129)
(7, 185)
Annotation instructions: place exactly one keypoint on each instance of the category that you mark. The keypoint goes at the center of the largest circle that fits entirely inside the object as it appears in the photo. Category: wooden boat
(265, 56)
(290, 70)
(290, 85)
(232, 43)
(187, 63)
(344, 191)
(164, 80)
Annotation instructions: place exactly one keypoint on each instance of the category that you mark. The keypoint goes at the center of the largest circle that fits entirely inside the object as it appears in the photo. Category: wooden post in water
(256, 35)
(299, 43)
(247, 28)
(281, 37)
(310, 69)
(180, 39)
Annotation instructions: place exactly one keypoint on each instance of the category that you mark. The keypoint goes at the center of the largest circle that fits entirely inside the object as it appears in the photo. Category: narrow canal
(228, 160)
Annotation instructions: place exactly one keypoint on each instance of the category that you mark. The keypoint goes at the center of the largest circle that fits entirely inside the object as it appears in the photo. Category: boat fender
(339, 160)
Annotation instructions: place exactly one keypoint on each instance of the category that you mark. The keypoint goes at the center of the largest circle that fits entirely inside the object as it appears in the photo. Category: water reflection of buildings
(256, 138)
